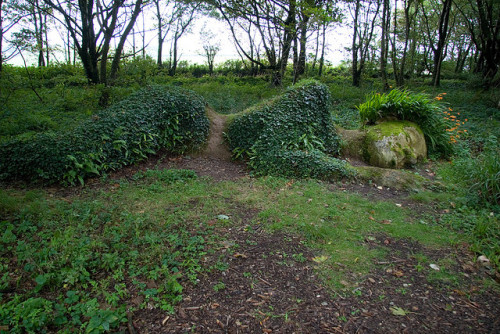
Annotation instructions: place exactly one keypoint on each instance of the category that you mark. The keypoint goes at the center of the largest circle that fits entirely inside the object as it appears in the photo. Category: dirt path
(216, 146)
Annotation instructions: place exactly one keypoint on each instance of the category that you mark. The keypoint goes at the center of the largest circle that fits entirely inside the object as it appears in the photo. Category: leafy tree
(364, 15)
(93, 25)
(274, 21)
(210, 48)
(440, 10)
(482, 18)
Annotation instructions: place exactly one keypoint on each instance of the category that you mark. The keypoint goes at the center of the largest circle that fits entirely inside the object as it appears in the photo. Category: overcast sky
(190, 45)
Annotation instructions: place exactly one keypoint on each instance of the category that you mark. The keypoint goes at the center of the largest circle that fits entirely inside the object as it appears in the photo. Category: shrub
(150, 119)
(479, 176)
(290, 135)
(415, 107)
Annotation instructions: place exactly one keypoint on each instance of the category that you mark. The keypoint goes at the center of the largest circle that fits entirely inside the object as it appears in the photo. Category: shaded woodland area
(279, 191)
(400, 39)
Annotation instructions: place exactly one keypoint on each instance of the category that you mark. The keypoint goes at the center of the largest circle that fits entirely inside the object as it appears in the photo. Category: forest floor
(272, 281)
(264, 291)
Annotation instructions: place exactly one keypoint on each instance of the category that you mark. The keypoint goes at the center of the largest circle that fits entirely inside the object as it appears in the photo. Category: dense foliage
(290, 135)
(150, 119)
(78, 277)
(419, 108)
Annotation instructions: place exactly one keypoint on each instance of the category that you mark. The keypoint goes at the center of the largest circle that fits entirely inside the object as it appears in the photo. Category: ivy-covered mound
(292, 135)
(150, 119)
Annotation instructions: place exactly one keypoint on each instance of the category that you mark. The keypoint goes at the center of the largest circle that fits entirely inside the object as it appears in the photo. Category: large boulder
(394, 144)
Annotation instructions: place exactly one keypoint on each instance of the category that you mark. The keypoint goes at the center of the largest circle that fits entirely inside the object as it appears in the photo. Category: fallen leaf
(371, 218)
(398, 311)
(398, 273)
(399, 205)
(222, 217)
(309, 200)
(237, 255)
(320, 259)
(386, 222)
(387, 241)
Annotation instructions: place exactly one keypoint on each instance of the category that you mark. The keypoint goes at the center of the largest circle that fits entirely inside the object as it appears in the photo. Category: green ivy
(151, 119)
(291, 135)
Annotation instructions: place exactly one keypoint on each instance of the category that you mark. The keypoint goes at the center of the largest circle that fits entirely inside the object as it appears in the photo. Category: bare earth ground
(265, 290)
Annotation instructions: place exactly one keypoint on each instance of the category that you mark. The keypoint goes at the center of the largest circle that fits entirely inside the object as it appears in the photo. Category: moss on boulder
(394, 144)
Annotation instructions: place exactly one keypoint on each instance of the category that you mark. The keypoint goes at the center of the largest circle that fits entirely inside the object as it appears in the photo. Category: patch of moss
(393, 144)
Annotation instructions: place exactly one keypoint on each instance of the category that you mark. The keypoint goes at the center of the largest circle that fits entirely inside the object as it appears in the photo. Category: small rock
(380, 188)
(483, 260)
(398, 205)
(371, 280)
(434, 266)
(324, 303)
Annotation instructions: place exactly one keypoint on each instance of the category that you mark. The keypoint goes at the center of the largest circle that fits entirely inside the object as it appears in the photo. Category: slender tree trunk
(315, 60)
(289, 36)
(443, 35)
(47, 50)
(173, 62)
(385, 40)
(119, 49)
(295, 61)
(322, 58)
(301, 68)
(1, 37)
(356, 75)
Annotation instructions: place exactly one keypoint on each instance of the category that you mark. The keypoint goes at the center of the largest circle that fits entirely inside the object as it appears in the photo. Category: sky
(190, 45)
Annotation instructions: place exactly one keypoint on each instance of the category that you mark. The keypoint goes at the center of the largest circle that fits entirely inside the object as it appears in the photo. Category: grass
(75, 263)
(147, 238)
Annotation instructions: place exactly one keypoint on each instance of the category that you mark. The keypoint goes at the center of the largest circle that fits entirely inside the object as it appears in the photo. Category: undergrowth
(434, 118)
(151, 119)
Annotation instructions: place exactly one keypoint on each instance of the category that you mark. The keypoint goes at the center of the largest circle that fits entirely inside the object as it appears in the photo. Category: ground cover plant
(127, 252)
(290, 135)
(150, 119)
(156, 247)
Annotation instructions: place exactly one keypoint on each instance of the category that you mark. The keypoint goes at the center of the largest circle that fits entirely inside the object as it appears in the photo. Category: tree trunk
(322, 58)
(173, 57)
(47, 50)
(385, 40)
(1, 38)
(119, 49)
(289, 36)
(356, 76)
(301, 65)
(443, 35)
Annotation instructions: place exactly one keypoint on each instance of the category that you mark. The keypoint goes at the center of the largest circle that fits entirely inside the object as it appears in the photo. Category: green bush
(290, 135)
(479, 176)
(414, 107)
(150, 119)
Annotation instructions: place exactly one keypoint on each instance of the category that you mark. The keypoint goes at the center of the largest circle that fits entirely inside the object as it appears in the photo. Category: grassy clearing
(84, 261)
(338, 224)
